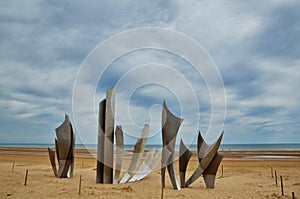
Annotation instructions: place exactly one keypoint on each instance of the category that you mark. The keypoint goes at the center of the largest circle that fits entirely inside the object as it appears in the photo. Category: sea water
(227, 147)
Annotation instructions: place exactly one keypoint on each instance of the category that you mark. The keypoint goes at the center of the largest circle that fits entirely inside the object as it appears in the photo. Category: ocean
(273, 146)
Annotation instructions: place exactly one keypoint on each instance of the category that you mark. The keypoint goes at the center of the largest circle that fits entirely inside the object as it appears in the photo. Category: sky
(254, 44)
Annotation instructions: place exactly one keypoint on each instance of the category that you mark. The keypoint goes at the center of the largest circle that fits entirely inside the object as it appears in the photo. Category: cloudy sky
(254, 44)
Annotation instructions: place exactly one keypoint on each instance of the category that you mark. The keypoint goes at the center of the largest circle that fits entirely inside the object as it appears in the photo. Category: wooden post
(13, 166)
(293, 195)
(275, 177)
(272, 172)
(162, 192)
(282, 193)
(222, 171)
(26, 178)
(79, 188)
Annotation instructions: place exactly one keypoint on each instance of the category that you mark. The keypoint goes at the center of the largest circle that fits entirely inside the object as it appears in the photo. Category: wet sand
(246, 174)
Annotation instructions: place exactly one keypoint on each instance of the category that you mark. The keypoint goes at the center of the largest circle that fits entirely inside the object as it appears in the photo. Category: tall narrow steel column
(100, 149)
(106, 138)
(109, 136)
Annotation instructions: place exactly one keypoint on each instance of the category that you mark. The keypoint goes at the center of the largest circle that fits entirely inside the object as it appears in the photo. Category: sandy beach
(246, 174)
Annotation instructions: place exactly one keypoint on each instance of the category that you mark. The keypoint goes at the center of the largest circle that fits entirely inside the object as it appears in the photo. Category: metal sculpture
(145, 165)
(137, 154)
(119, 153)
(208, 156)
(170, 126)
(105, 151)
(209, 161)
(106, 139)
(151, 160)
(64, 144)
(210, 172)
(184, 156)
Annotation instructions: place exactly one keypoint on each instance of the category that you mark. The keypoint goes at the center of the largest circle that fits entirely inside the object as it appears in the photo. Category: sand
(243, 177)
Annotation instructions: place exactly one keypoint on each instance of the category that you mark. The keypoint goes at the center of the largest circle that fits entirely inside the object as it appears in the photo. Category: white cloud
(43, 44)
